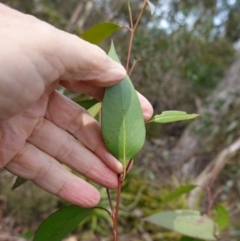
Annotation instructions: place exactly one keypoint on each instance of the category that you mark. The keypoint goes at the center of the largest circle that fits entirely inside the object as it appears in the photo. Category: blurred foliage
(178, 66)
(221, 131)
(185, 50)
(141, 196)
(28, 204)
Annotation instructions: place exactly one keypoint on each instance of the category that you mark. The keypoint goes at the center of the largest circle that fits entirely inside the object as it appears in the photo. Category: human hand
(40, 127)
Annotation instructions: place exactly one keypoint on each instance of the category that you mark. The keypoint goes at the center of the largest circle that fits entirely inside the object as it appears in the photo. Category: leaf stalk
(114, 212)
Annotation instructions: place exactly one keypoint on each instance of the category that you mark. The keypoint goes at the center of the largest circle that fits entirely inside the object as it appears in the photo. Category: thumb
(87, 62)
(55, 54)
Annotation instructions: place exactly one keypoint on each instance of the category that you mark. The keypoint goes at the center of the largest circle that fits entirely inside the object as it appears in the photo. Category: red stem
(120, 181)
(114, 213)
(132, 31)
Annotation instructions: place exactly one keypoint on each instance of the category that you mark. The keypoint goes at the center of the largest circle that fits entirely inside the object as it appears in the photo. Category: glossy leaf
(151, 6)
(61, 223)
(18, 182)
(172, 116)
(187, 222)
(177, 193)
(99, 32)
(222, 218)
(123, 125)
(86, 103)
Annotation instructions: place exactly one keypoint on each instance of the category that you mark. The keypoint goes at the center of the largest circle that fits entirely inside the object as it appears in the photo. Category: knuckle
(66, 148)
(42, 172)
(78, 121)
(8, 148)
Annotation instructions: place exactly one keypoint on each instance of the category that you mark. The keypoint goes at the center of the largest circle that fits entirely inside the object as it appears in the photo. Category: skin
(39, 127)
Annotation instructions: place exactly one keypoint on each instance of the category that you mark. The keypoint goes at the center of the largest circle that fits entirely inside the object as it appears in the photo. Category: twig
(132, 31)
(115, 217)
(75, 16)
(110, 201)
(133, 66)
(104, 210)
(121, 177)
(137, 199)
(120, 182)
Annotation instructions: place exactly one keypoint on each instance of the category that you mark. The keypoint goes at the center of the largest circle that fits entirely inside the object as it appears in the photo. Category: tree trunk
(75, 16)
(187, 155)
(211, 172)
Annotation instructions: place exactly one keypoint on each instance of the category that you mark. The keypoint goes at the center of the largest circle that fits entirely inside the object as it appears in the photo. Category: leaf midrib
(124, 130)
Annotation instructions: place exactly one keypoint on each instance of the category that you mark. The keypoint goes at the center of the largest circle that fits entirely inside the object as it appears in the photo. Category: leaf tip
(151, 6)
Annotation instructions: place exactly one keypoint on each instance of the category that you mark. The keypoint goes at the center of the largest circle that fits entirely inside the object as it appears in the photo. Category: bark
(79, 15)
(87, 10)
(75, 16)
(211, 172)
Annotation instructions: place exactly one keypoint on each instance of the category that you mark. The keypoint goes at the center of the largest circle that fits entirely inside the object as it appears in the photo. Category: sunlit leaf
(94, 110)
(172, 116)
(86, 103)
(222, 218)
(187, 222)
(189, 239)
(151, 6)
(18, 182)
(61, 223)
(99, 32)
(177, 193)
(123, 125)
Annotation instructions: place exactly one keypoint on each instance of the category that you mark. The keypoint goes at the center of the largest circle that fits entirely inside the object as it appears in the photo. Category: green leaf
(222, 218)
(86, 103)
(18, 182)
(189, 239)
(151, 6)
(123, 125)
(28, 235)
(187, 222)
(61, 223)
(172, 116)
(177, 193)
(99, 32)
(94, 110)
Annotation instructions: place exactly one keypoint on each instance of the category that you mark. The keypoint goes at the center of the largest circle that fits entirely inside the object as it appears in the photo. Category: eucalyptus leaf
(187, 222)
(61, 223)
(189, 239)
(177, 193)
(222, 218)
(151, 6)
(86, 103)
(94, 110)
(172, 116)
(18, 182)
(123, 125)
(99, 32)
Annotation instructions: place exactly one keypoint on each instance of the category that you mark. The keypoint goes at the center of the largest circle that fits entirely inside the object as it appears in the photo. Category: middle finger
(74, 119)
(65, 148)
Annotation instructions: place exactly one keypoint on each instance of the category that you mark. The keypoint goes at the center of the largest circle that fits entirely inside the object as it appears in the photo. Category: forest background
(189, 53)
